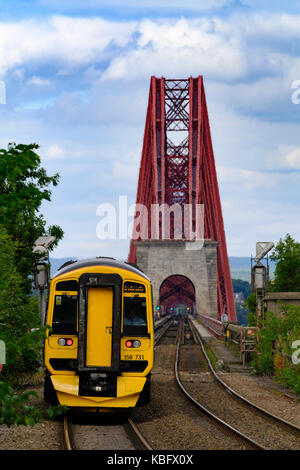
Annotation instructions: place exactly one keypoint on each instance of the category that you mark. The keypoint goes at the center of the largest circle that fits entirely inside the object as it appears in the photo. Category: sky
(76, 76)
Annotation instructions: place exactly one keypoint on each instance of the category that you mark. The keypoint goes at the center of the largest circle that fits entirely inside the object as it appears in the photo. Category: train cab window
(65, 314)
(135, 316)
(67, 285)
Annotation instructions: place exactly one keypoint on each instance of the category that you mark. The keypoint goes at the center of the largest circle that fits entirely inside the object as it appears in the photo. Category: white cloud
(65, 39)
(290, 157)
(55, 151)
(245, 179)
(168, 47)
(39, 82)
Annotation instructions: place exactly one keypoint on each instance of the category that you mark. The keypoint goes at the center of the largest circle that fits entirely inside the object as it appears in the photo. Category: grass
(211, 356)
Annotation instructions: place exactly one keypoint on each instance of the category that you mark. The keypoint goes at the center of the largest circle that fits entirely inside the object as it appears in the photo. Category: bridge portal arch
(177, 291)
(161, 259)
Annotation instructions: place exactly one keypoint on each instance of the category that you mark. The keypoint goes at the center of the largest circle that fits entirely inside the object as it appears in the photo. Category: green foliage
(19, 315)
(263, 361)
(241, 286)
(24, 185)
(250, 304)
(287, 271)
(241, 308)
(241, 314)
(279, 333)
(16, 408)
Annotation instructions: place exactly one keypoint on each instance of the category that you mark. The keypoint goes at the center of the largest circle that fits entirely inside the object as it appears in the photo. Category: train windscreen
(135, 316)
(65, 314)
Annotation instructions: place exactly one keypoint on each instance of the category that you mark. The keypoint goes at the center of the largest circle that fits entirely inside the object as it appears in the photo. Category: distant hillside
(240, 267)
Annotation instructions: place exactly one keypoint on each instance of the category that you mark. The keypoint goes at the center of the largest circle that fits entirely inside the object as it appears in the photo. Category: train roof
(71, 265)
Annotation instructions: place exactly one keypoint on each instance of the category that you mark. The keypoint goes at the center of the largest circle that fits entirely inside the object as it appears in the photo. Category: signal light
(135, 343)
(65, 341)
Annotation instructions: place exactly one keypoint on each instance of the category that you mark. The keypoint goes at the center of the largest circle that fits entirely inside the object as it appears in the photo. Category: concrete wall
(273, 300)
(160, 259)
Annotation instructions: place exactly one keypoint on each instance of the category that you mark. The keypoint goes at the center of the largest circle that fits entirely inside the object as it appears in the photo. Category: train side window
(135, 316)
(65, 314)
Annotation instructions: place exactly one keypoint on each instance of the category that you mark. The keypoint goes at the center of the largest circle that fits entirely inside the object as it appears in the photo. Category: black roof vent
(134, 265)
(71, 261)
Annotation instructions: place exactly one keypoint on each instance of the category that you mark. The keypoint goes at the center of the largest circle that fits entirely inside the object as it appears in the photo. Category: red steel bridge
(178, 167)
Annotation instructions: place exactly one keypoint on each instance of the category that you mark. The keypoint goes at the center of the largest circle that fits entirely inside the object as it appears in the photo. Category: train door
(99, 326)
(99, 332)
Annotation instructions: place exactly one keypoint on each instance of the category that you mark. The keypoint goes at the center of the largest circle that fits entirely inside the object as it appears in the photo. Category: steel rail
(139, 435)
(133, 426)
(67, 439)
(242, 437)
(290, 426)
(163, 331)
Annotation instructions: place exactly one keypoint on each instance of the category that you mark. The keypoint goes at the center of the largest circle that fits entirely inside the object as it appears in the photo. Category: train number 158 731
(134, 357)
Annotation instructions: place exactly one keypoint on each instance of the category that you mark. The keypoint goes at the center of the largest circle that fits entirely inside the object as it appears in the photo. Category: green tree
(24, 185)
(19, 316)
(287, 271)
(241, 286)
(250, 304)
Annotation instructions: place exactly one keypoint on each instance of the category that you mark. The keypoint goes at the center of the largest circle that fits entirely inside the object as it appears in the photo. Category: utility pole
(42, 274)
(260, 278)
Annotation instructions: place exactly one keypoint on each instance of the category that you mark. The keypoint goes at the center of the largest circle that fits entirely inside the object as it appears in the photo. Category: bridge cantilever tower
(178, 167)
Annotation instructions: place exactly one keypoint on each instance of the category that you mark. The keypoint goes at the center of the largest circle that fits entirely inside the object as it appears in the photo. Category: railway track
(290, 432)
(161, 332)
(286, 424)
(137, 439)
(235, 433)
(134, 430)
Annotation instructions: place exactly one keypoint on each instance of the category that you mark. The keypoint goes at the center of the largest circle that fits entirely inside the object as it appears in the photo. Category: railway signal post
(41, 277)
(260, 277)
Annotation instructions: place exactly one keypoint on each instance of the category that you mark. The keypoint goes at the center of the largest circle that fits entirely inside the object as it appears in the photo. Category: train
(99, 345)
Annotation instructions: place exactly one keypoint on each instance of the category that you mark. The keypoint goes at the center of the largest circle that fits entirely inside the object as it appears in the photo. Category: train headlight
(132, 343)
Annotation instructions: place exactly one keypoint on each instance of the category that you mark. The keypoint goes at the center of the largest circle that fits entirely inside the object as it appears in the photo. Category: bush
(20, 326)
(279, 333)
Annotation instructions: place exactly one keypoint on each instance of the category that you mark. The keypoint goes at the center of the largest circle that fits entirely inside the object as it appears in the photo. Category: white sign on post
(262, 248)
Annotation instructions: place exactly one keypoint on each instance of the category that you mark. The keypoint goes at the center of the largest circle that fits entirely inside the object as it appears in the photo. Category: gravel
(169, 422)
(204, 388)
(47, 435)
(264, 392)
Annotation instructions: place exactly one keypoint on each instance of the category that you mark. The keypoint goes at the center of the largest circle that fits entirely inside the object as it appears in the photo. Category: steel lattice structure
(178, 167)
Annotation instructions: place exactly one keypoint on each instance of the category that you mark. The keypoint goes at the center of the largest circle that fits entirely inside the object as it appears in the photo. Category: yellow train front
(99, 350)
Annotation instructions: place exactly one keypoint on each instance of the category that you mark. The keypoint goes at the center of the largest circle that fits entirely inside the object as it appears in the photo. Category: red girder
(180, 168)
